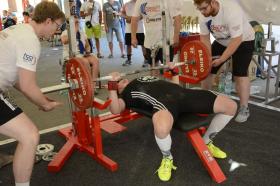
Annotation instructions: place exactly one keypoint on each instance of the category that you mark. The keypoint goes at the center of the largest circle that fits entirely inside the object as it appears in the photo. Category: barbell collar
(73, 83)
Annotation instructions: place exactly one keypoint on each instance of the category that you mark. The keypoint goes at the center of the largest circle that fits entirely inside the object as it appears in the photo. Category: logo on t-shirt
(147, 79)
(30, 59)
(143, 8)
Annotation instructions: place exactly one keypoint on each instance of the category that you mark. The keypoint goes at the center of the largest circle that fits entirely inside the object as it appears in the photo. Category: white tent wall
(262, 11)
(188, 9)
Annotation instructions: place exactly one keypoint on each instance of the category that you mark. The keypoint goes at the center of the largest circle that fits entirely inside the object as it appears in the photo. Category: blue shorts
(118, 32)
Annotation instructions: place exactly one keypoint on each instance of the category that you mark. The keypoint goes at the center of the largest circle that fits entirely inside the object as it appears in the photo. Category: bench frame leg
(205, 156)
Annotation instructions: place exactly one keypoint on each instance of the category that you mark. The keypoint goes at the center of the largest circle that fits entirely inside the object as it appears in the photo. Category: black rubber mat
(255, 143)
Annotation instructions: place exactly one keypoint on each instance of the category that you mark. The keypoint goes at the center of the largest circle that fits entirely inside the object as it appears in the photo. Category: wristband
(174, 71)
(112, 85)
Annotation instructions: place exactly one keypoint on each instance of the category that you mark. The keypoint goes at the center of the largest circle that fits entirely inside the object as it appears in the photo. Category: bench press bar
(73, 84)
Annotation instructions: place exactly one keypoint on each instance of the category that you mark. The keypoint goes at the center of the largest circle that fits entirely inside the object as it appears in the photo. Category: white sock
(23, 184)
(165, 146)
(217, 124)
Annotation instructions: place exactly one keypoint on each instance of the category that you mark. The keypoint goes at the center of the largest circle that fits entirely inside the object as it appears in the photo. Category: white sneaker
(243, 114)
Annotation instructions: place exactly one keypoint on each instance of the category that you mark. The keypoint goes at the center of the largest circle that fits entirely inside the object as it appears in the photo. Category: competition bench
(193, 125)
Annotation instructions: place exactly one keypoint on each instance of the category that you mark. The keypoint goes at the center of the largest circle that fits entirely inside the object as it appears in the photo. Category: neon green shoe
(215, 151)
(164, 171)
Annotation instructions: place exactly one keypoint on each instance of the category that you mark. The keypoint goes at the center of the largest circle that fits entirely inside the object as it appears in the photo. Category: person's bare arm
(100, 17)
(87, 47)
(205, 39)
(134, 26)
(124, 15)
(28, 86)
(177, 28)
(104, 21)
(231, 48)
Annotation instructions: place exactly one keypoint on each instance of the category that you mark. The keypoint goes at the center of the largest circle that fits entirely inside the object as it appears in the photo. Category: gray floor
(49, 73)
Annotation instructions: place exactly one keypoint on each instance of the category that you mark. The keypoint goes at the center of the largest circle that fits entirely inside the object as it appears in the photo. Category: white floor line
(7, 141)
(258, 104)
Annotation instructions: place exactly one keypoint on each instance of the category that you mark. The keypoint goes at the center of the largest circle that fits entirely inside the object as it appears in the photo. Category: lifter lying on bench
(166, 101)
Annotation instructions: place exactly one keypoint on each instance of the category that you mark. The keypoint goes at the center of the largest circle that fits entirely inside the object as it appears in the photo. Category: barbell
(195, 66)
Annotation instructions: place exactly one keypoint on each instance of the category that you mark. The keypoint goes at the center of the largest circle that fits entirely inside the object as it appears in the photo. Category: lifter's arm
(28, 86)
(117, 105)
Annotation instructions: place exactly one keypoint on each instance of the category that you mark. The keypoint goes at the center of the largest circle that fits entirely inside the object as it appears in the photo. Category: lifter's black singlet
(151, 94)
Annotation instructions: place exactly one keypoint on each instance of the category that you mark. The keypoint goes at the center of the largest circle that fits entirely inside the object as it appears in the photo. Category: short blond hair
(45, 10)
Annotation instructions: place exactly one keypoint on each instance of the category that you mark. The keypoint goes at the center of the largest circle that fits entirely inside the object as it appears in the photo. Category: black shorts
(8, 109)
(192, 101)
(241, 58)
(159, 56)
(140, 38)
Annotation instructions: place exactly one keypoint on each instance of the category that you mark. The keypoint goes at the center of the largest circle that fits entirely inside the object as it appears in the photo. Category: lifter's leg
(163, 121)
(225, 110)
(24, 131)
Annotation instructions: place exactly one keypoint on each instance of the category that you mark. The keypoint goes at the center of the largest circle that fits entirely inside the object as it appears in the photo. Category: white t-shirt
(66, 46)
(129, 8)
(19, 47)
(230, 22)
(95, 13)
(150, 10)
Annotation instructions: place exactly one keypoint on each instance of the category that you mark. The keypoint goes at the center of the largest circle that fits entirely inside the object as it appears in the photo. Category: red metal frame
(0, 23)
(87, 138)
(205, 156)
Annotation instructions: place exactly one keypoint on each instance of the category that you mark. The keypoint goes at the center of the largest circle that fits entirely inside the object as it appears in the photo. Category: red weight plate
(78, 71)
(197, 58)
